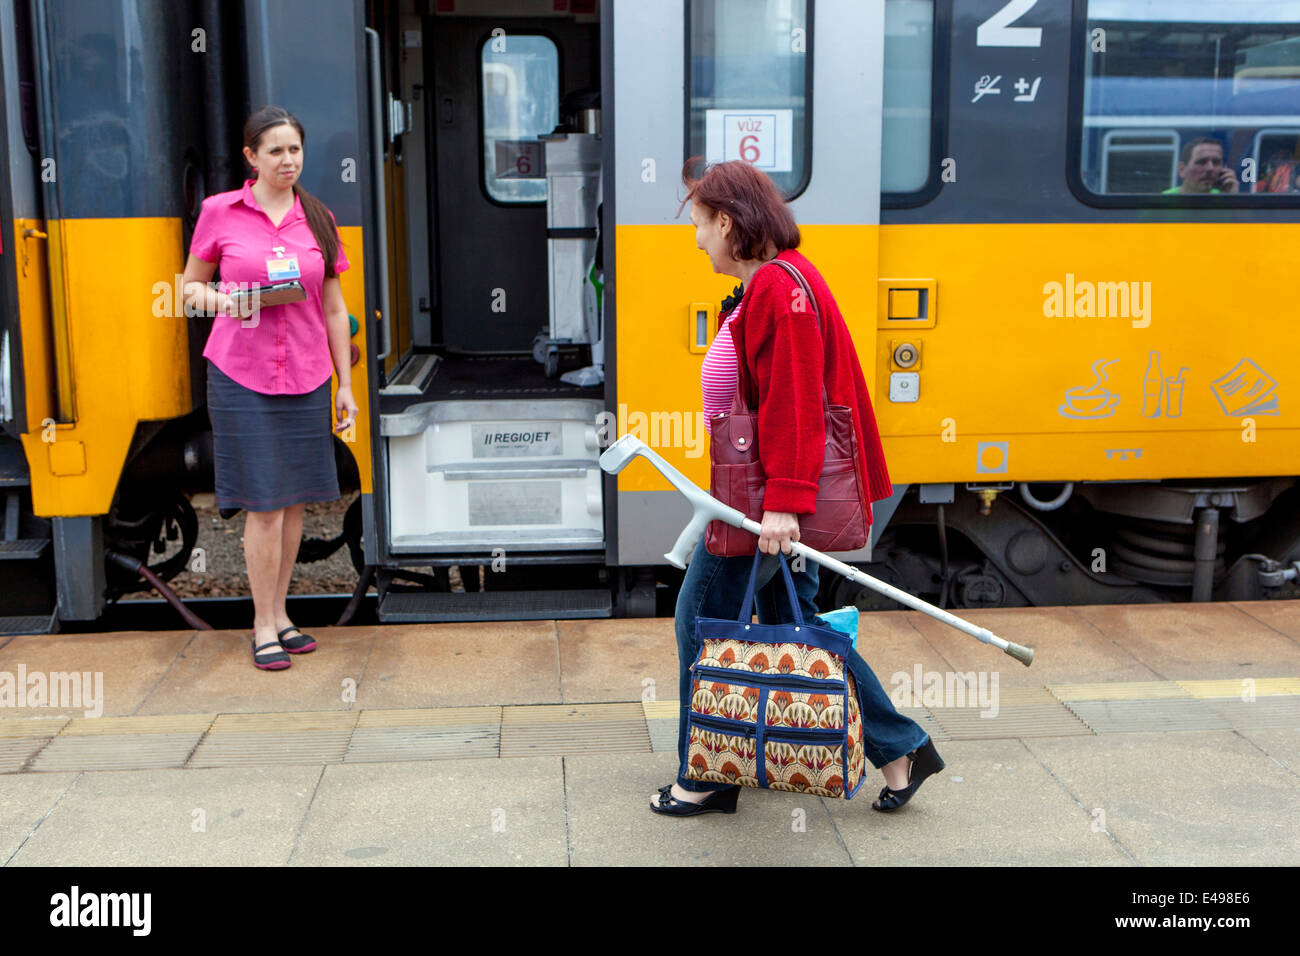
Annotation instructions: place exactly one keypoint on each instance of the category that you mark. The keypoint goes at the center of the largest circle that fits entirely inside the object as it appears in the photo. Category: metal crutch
(706, 508)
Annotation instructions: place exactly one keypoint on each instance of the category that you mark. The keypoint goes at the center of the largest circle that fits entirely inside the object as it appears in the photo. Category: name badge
(282, 268)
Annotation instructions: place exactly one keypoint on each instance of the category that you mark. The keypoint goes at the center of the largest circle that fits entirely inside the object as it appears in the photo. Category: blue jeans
(715, 587)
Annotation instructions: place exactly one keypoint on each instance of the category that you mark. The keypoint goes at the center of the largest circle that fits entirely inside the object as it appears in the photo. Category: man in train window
(1201, 169)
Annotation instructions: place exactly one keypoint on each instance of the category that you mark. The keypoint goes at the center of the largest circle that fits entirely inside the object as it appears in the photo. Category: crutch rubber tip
(1023, 654)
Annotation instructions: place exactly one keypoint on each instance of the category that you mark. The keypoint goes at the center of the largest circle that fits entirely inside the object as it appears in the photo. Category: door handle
(701, 326)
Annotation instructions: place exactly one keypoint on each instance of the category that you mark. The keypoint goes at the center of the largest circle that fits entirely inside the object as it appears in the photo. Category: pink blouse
(719, 372)
(280, 349)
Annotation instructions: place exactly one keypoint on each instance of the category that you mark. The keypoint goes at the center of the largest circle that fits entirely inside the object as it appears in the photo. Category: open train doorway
(492, 385)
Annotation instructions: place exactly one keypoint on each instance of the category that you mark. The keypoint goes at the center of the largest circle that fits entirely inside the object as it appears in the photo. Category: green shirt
(1179, 189)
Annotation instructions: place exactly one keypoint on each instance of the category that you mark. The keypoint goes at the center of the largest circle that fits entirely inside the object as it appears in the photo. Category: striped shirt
(719, 373)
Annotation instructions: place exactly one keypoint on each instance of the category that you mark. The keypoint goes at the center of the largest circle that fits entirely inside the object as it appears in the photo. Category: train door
(489, 426)
(766, 83)
(26, 349)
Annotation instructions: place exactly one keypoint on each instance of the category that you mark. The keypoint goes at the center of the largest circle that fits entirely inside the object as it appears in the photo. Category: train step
(515, 475)
(27, 624)
(494, 606)
(13, 465)
(23, 549)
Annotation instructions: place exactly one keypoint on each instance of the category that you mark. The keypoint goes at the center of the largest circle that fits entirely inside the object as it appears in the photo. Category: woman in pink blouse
(269, 368)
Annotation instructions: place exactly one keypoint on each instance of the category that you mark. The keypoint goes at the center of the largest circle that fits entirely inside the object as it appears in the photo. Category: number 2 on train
(997, 29)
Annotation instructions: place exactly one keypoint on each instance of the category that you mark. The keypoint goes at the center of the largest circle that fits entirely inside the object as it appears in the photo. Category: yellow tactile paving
(280, 723)
(1242, 688)
(159, 724)
(429, 717)
(1166, 689)
(1134, 690)
(551, 713)
(32, 726)
(660, 709)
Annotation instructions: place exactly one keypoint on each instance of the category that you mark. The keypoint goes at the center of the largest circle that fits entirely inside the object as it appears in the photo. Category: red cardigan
(782, 363)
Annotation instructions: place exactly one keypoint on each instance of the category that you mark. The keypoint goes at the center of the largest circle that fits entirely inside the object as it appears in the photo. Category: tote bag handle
(747, 609)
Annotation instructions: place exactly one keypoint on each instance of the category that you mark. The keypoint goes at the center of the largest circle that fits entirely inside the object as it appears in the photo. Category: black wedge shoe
(925, 761)
(720, 801)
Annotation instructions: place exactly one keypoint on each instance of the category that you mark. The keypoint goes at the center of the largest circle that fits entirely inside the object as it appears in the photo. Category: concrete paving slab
(1281, 616)
(993, 805)
(506, 812)
(611, 824)
(623, 659)
(24, 800)
(891, 645)
(129, 664)
(455, 665)
(215, 674)
(1190, 642)
(1066, 647)
(1185, 799)
(222, 817)
(1282, 746)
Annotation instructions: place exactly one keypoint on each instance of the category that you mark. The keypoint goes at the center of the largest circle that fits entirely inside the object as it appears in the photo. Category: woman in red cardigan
(779, 358)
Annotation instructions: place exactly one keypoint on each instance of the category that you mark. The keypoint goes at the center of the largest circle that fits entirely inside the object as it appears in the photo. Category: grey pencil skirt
(270, 451)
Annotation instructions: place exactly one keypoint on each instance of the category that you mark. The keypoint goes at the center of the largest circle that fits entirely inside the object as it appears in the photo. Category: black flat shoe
(297, 645)
(925, 761)
(720, 801)
(271, 662)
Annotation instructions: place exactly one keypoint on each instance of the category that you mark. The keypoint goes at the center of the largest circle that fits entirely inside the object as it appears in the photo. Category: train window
(520, 77)
(749, 72)
(1184, 98)
(905, 162)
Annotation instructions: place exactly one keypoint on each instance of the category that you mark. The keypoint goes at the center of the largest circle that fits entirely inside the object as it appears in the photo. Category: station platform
(1141, 735)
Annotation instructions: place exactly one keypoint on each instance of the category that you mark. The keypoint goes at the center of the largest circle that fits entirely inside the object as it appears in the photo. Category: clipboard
(277, 293)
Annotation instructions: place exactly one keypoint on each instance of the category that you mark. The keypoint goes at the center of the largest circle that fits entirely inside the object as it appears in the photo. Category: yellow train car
(1059, 231)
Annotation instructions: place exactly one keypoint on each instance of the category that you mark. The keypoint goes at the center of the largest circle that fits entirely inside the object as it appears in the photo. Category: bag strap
(738, 401)
(793, 270)
(747, 608)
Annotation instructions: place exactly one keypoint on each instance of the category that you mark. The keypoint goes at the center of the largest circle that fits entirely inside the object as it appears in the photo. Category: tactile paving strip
(558, 729)
(32, 726)
(444, 734)
(160, 724)
(662, 718)
(1020, 712)
(16, 751)
(1119, 690)
(259, 748)
(929, 723)
(260, 739)
(378, 744)
(1147, 716)
(1242, 686)
(114, 752)
(1262, 713)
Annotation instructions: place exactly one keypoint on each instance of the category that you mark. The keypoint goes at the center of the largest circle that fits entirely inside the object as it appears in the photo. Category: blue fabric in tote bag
(774, 705)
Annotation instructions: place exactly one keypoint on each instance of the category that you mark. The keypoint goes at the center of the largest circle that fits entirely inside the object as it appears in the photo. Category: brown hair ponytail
(317, 213)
